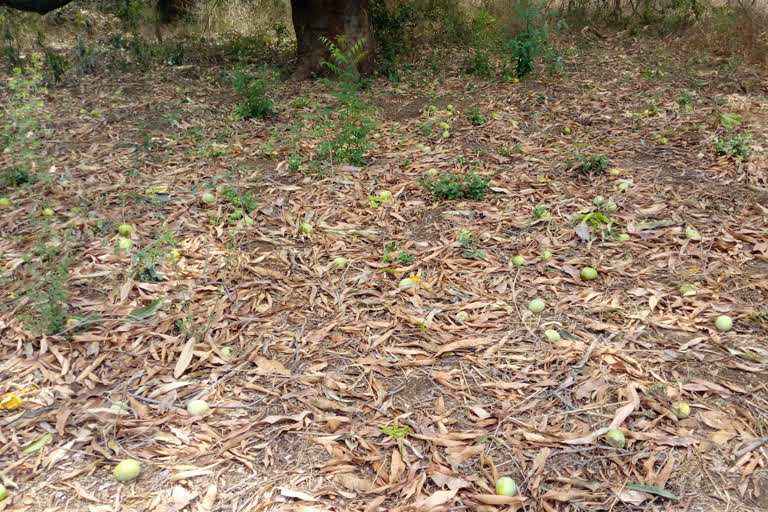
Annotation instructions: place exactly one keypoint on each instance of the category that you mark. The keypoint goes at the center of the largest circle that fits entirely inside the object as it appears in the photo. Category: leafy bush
(457, 186)
(256, 90)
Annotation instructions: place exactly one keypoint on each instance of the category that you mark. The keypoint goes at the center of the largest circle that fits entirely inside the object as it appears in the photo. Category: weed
(540, 212)
(739, 146)
(593, 165)
(256, 90)
(457, 186)
(685, 101)
(475, 116)
(465, 238)
(20, 133)
(245, 200)
(404, 258)
(517, 148)
(346, 128)
(145, 261)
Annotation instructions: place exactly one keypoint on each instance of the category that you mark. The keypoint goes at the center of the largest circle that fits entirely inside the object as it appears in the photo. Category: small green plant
(348, 127)
(465, 238)
(475, 116)
(145, 261)
(739, 146)
(685, 101)
(594, 164)
(517, 148)
(540, 212)
(404, 258)
(256, 89)
(456, 186)
(241, 199)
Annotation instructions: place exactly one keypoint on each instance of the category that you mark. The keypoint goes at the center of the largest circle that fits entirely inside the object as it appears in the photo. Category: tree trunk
(172, 10)
(313, 19)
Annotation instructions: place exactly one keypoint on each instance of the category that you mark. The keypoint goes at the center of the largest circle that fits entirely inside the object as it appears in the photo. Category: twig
(757, 443)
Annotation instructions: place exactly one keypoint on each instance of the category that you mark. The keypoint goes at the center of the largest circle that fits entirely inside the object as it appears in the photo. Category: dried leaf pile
(336, 389)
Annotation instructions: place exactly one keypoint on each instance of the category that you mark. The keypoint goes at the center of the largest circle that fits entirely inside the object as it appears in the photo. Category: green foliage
(145, 261)
(389, 255)
(475, 116)
(20, 133)
(739, 146)
(13, 177)
(347, 128)
(256, 89)
(592, 219)
(456, 186)
(405, 26)
(245, 200)
(56, 65)
(517, 148)
(593, 165)
(465, 238)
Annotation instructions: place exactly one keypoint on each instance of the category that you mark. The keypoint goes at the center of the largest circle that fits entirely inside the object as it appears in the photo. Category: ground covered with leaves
(412, 374)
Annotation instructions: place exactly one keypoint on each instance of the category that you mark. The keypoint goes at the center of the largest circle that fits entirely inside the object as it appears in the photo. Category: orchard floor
(335, 389)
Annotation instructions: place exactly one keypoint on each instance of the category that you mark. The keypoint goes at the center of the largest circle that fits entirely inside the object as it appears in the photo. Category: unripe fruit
(505, 486)
(127, 470)
(198, 408)
(536, 306)
(47, 212)
(552, 335)
(598, 200)
(680, 409)
(208, 198)
(125, 244)
(340, 263)
(692, 234)
(306, 228)
(723, 323)
(623, 237)
(445, 126)
(623, 186)
(566, 130)
(687, 289)
(125, 229)
(546, 255)
(518, 260)
(588, 273)
(446, 134)
(4, 202)
(174, 254)
(432, 172)
(610, 207)
(386, 195)
(615, 438)
(3, 492)
(227, 351)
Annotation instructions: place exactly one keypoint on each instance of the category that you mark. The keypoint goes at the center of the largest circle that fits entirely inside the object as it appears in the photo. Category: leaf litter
(334, 389)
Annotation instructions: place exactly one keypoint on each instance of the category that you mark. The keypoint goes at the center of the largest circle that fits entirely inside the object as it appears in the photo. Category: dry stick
(757, 443)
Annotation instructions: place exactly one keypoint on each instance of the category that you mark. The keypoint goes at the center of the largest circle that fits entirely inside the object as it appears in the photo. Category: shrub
(257, 102)
(457, 186)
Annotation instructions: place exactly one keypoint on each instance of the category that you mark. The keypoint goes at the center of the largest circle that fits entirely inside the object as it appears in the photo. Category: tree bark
(38, 6)
(172, 10)
(313, 19)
